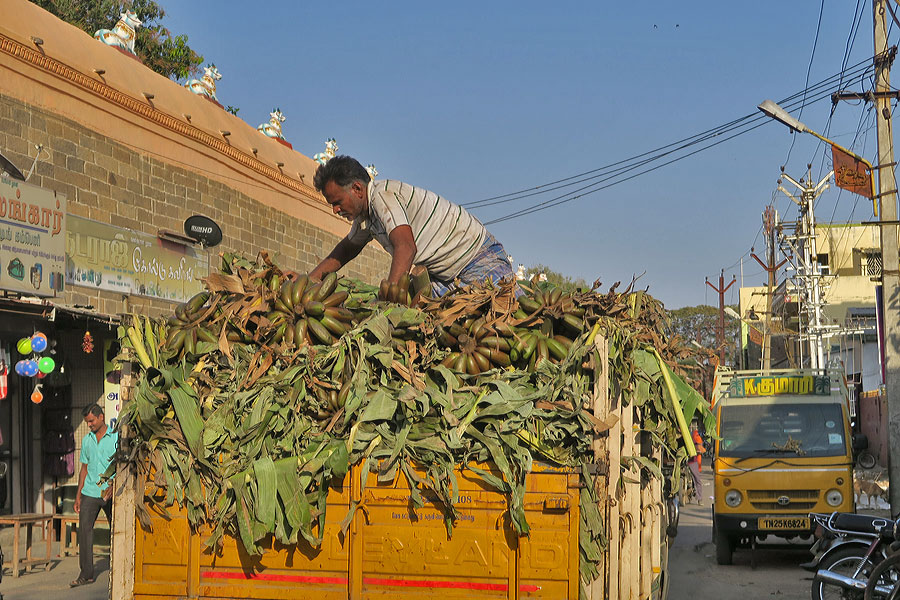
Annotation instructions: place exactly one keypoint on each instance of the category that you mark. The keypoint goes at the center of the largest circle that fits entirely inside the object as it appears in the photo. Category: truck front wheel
(724, 548)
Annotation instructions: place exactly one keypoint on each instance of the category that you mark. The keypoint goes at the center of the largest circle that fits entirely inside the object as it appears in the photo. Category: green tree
(698, 324)
(567, 283)
(155, 45)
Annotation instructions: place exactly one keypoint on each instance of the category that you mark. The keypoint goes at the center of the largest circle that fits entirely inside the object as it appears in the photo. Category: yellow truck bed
(387, 552)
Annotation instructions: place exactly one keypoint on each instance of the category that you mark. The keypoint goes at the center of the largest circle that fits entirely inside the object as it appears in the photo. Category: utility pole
(720, 328)
(803, 248)
(890, 255)
(770, 220)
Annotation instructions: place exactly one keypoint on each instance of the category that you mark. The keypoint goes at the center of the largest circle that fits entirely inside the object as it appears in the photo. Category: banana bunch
(306, 311)
(287, 312)
(331, 400)
(408, 290)
(550, 300)
(186, 329)
(475, 346)
(535, 346)
(547, 321)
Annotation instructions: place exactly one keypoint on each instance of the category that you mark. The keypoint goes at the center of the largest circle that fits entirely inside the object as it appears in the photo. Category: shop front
(40, 412)
(58, 333)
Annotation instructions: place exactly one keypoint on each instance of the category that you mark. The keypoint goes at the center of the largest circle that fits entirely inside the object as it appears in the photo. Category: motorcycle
(847, 548)
(884, 583)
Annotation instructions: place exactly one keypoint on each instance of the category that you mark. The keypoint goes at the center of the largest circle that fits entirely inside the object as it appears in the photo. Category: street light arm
(799, 186)
(789, 195)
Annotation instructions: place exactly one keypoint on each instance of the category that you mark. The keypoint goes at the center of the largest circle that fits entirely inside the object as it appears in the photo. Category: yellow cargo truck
(392, 551)
(784, 451)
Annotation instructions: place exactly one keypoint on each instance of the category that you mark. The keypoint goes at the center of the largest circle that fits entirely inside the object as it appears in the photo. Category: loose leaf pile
(261, 391)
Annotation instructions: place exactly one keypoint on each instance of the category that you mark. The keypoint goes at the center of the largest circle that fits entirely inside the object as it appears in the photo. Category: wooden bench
(28, 520)
(68, 532)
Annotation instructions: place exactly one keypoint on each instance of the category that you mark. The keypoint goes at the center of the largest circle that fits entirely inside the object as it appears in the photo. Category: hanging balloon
(41, 375)
(36, 396)
(24, 346)
(46, 364)
(30, 368)
(38, 342)
(20, 368)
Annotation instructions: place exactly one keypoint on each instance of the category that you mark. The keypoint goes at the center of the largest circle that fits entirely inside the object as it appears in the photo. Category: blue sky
(478, 99)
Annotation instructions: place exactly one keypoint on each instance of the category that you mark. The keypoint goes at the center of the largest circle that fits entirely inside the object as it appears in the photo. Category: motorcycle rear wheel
(845, 562)
(887, 571)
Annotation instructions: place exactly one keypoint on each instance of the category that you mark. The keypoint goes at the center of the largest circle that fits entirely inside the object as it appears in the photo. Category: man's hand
(78, 503)
(107, 493)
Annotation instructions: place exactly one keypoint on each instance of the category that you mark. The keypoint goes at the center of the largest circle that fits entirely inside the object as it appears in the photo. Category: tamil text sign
(32, 238)
(117, 259)
(795, 385)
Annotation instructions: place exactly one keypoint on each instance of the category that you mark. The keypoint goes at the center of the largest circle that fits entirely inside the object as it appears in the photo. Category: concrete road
(696, 576)
(52, 583)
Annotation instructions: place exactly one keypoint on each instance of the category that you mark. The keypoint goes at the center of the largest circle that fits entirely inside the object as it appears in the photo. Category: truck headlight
(834, 497)
(733, 498)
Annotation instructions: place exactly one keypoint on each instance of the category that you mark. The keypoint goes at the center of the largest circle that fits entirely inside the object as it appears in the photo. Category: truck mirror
(860, 442)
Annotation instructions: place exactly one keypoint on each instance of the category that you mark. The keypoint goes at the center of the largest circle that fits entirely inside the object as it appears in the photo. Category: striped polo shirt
(447, 237)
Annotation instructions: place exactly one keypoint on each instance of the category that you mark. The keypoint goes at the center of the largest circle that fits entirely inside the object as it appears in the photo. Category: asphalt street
(696, 576)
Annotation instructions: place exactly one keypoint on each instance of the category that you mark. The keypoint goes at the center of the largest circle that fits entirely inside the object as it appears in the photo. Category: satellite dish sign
(203, 229)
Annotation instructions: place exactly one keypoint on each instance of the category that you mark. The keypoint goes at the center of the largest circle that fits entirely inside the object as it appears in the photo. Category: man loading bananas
(415, 226)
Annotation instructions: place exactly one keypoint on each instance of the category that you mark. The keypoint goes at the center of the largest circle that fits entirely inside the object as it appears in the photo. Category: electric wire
(753, 122)
(741, 125)
(808, 71)
(853, 72)
(594, 187)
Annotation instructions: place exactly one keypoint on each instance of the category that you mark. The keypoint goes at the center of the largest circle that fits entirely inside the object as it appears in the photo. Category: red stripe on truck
(424, 583)
(273, 577)
(465, 585)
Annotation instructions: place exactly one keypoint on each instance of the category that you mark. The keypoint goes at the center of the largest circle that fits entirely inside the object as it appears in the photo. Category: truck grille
(768, 499)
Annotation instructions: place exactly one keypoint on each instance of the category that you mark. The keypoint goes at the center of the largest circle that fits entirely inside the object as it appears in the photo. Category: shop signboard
(32, 238)
(113, 258)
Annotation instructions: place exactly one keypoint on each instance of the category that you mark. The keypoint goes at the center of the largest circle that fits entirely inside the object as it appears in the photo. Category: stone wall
(109, 182)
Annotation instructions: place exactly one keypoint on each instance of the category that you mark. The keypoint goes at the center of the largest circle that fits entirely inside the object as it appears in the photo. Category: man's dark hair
(93, 409)
(343, 170)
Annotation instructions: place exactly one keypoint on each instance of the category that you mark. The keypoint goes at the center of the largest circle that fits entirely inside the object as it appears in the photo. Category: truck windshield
(806, 429)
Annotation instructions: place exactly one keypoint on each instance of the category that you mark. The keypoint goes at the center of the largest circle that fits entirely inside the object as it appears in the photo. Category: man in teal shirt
(97, 450)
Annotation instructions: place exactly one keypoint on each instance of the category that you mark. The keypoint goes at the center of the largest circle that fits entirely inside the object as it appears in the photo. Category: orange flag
(851, 173)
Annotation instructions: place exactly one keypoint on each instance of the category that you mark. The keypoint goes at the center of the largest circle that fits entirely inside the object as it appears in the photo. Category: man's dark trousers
(90, 509)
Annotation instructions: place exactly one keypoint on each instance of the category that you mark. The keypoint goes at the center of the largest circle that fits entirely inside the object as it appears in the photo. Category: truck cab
(784, 450)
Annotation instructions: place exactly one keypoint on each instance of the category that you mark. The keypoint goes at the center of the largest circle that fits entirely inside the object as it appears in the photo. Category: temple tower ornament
(206, 85)
(331, 149)
(122, 35)
(273, 128)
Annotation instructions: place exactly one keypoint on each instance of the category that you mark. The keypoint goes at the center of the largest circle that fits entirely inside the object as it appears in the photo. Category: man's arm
(81, 477)
(344, 252)
(404, 252)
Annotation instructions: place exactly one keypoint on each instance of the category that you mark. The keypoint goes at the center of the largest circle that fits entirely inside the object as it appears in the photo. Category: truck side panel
(283, 571)
(548, 558)
(388, 552)
(162, 556)
(405, 557)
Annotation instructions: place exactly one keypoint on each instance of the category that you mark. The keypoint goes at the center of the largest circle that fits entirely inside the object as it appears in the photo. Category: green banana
(319, 331)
